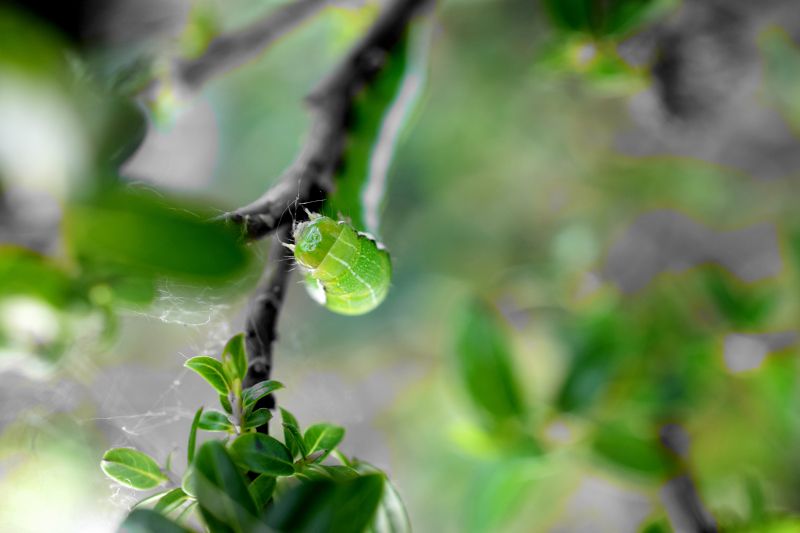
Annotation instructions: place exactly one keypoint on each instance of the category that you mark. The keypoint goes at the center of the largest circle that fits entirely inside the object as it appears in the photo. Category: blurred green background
(595, 244)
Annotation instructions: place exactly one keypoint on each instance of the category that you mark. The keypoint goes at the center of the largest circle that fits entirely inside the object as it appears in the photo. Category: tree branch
(309, 178)
(262, 315)
(233, 49)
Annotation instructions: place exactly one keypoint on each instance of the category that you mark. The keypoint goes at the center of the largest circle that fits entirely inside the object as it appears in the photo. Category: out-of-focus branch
(233, 49)
(262, 315)
(309, 178)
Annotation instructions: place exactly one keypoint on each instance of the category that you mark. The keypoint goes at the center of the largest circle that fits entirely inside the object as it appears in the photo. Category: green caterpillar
(347, 271)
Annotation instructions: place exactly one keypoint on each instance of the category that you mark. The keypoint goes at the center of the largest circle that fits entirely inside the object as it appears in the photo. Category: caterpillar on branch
(347, 271)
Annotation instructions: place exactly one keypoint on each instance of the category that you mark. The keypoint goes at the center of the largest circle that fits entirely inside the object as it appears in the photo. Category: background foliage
(593, 254)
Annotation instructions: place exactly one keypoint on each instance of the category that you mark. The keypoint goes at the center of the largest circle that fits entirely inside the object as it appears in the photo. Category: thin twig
(309, 178)
(262, 315)
(233, 49)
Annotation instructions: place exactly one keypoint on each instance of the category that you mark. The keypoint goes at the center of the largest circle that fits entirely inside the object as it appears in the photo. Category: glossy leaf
(251, 395)
(257, 418)
(222, 493)
(485, 363)
(171, 501)
(234, 357)
(215, 421)
(289, 438)
(149, 521)
(322, 437)
(294, 439)
(190, 447)
(210, 370)
(225, 403)
(330, 506)
(261, 488)
(132, 468)
(263, 454)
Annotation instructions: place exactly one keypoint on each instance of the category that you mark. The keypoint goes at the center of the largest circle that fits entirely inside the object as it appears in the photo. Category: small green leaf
(132, 468)
(294, 439)
(288, 418)
(234, 357)
(224, 499)
(171, 501)
(252, 394)
(261, 488)
(215, 421)
(485, 363)
(322, 437)
(188, 482)
(193, 437)
(332, 472)
(210, 370)
(326, 505)
(263, 454)
(257, 418)
(149, 521)
(225, 403)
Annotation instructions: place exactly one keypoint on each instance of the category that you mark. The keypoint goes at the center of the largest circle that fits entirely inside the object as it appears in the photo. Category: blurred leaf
(391, 515)
(263, 454)
(215, 421)
(322, 437)
(234, 357)
(657, 525)
(224, 499)
(782, 72)
(120, 130)
(600, 18)
(251, 395)
(365, 122)
(26, 273)
(210, 370)
(261, 488)
(744, 306)
(332, 472)
(193, 436)
(624, 448)
(597, 342)
(325, 505)
(498, 494)
(132, 468)
(485, 363)
(171, 501)
(133, 234)
(149, 521)
(257, 418)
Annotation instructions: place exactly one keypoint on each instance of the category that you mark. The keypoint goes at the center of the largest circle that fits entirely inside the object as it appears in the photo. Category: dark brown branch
(262, 315)
(309, 178)
(231, 50)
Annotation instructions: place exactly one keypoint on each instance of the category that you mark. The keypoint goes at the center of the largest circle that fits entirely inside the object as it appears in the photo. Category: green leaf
(288, 419)
(485, 363)
(225, 403)
(171, 501)
(366, 123)
(330, 506)
(136, 233)
(332, 472)
(210, 370)
(261, 488)
(193, 437)
(149, 521)
(263, 454)
(601, 19)
(391, 515)
(252, 394)
(27, 273)
(215, 421)
(234, 357)
(632, 452)
(322, 437)
(132, 468)
(224, 499)
(257, 418)
(294, 440)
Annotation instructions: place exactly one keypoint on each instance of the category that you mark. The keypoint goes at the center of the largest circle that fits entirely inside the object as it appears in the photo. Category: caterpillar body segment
(347, 271)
